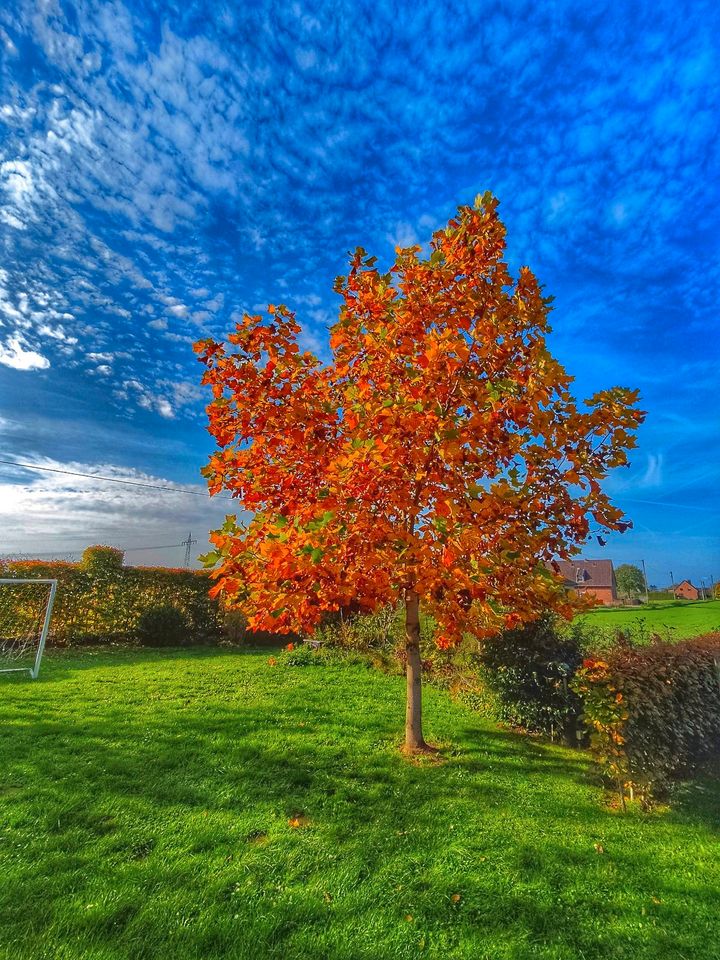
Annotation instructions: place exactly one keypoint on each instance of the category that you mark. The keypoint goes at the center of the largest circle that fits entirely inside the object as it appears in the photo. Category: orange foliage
(440, 451)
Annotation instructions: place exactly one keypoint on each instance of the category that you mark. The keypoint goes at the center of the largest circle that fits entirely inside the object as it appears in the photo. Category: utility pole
(672, 584)
(647, 596)
(188, 544)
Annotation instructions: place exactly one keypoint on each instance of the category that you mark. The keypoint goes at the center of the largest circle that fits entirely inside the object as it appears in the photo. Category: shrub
(458, 673)
(163, 626)
(234, 626)
(366, 632)
(528, 669)
(102, 560)
(654, 711)
(301, 655)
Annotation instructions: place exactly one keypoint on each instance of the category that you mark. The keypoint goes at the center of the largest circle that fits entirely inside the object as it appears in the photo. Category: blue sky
(165, 167)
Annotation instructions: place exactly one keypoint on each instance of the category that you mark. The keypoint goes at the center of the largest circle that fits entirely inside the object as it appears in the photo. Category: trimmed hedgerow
(100, 600)
(654, 711)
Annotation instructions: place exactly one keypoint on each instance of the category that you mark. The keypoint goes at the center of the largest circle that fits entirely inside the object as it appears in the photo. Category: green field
(671, 619)
(204, 804)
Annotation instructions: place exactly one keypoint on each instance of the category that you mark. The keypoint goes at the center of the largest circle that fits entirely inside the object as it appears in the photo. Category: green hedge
(528, 669)
(99, 600)
(653, 711)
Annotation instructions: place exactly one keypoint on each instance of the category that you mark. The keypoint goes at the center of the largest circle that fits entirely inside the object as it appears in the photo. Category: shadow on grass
(476, 748)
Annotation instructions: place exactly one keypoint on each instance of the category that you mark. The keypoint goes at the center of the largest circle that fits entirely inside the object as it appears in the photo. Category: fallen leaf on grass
(299, 821)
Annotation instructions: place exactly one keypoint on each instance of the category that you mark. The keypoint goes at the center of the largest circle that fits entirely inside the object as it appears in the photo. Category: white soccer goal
(25, 612)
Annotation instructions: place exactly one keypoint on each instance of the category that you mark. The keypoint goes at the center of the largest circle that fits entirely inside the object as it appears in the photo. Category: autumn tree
(438, 459)
(630, 580)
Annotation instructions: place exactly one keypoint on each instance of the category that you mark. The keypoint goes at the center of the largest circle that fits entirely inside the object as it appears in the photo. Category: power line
(165, 546)
(95, 476)
(32, 555)
(197, 493)
(161, 546)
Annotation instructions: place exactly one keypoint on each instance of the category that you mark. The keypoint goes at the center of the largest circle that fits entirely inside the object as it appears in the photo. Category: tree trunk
(414, 741)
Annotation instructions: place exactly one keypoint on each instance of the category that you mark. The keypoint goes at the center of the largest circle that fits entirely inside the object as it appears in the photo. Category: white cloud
(10, 47)
(153, 399)
(14, 353)
(9, 218)
(403, 235)
(55, 333)
(653, 476)
(17, 180)
(183, 394)
(44, 513)
(306, 58)
(216, 302)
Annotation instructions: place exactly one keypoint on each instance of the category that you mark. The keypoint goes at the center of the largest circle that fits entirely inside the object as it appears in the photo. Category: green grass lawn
(671, 619)
(146, 800)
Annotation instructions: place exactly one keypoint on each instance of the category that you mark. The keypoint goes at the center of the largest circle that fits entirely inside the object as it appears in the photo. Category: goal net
(25, 613)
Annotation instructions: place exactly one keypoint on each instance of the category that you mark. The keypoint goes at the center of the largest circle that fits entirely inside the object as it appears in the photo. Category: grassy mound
(205, 804)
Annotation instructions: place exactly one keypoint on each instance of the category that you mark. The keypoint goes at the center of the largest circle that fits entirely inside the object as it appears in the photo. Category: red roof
(588, 573)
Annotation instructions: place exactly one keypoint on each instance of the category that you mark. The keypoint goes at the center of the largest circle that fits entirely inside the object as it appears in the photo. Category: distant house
(685, 591)
(595, 578)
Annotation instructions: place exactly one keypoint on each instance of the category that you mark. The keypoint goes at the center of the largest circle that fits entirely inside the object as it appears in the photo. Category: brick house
(596, 578)
(685, 591)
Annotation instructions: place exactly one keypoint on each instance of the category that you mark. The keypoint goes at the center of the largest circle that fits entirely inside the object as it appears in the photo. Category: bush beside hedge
(653, 712)
(528, 669)
(163, 626)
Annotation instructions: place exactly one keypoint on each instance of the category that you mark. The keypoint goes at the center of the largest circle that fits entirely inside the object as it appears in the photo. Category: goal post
(24, 624)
